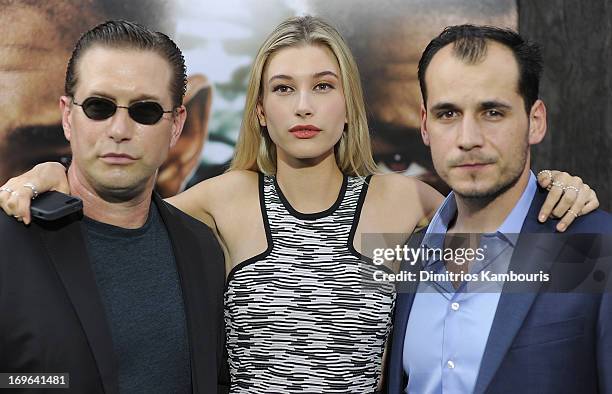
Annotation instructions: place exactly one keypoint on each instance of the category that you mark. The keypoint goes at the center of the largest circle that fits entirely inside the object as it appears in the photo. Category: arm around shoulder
(205, 199)
(421, 199)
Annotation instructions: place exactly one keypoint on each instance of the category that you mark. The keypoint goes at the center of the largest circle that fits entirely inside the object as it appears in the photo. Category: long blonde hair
(256, 151)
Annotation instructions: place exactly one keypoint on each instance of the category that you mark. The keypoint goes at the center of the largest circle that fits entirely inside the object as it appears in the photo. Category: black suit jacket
(52, 319)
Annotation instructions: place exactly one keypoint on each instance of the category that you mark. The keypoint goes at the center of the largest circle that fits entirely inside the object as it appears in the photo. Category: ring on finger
(559, 184)
(6, 189)
(573, 213)
(570, 187)
(33, 188)
(547, 172)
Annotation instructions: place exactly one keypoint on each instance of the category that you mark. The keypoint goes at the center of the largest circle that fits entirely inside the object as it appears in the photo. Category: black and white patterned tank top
(299, 319)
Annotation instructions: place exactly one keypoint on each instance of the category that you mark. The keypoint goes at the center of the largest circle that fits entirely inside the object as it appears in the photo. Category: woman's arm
(568, 198)
(17, 193)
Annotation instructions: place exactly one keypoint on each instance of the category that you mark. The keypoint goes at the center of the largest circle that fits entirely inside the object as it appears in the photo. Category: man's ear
(178, 123)
(537, 122)
(424, 132)
(184, 156)
(65, 104)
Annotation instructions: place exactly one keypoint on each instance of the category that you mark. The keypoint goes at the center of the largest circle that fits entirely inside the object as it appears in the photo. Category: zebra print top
(298, 316)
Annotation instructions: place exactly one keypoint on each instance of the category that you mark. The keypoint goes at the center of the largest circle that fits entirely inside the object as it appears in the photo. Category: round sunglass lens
(98, 108)
(147, 112)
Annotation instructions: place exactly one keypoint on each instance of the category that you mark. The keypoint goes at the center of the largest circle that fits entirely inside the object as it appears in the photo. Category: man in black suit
(129, 296)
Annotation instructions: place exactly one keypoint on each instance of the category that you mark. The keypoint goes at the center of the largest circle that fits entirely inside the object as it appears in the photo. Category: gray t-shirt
(139, 285)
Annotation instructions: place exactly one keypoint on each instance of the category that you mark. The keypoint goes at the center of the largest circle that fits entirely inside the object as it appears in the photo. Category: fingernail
(561, 226)
(542, 218)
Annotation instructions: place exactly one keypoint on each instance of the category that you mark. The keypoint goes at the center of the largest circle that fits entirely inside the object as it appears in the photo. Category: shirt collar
(509, 229)
(513, 223)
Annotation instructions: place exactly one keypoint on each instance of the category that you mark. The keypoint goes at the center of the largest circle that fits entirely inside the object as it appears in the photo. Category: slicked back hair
(122, 34)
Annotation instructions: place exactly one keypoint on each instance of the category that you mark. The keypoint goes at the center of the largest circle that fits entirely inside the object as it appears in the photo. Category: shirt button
(450, 364)
(455, 306)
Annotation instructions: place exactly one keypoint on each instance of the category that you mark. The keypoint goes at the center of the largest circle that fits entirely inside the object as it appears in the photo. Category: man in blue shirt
(454, 334)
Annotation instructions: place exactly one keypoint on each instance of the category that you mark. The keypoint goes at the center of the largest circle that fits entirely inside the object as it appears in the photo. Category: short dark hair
(124, 34)
(470, 45)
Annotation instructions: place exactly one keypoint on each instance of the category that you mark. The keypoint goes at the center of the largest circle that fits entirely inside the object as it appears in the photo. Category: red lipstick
(304, 131)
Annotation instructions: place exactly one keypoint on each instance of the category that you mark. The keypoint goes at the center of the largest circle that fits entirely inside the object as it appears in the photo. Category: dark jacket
(51, 316)
(541, 340)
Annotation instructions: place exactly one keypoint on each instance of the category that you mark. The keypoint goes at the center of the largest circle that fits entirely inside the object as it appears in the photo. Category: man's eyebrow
(492, 104)
(485, 105)
(145, 97)
(99, 93)
(142, 97)
(444, 106)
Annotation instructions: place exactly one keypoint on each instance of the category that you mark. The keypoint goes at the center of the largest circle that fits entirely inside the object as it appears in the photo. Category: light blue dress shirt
(448, 329)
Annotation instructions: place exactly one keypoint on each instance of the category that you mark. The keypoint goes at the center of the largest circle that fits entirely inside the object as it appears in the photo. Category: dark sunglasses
(144, 112)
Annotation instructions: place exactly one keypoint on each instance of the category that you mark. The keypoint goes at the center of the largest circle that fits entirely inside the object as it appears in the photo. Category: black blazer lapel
(535, 251)
(65, 244)
(198, 289)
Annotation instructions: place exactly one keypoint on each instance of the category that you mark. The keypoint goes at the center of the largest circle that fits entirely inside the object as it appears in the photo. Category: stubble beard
(499, 188)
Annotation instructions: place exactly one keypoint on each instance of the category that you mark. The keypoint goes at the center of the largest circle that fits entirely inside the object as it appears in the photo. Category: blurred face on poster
(387, 39)
(36, 40)
(31, 81)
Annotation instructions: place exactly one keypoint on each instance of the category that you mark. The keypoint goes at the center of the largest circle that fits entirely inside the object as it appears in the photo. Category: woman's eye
(281, 89)
(323, 86)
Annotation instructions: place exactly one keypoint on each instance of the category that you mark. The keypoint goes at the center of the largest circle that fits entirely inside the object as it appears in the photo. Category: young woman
(290, 214)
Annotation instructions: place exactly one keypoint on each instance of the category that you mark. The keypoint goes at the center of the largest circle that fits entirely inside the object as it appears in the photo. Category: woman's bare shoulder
(402, 193)
(222, 190)
(392, 184)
